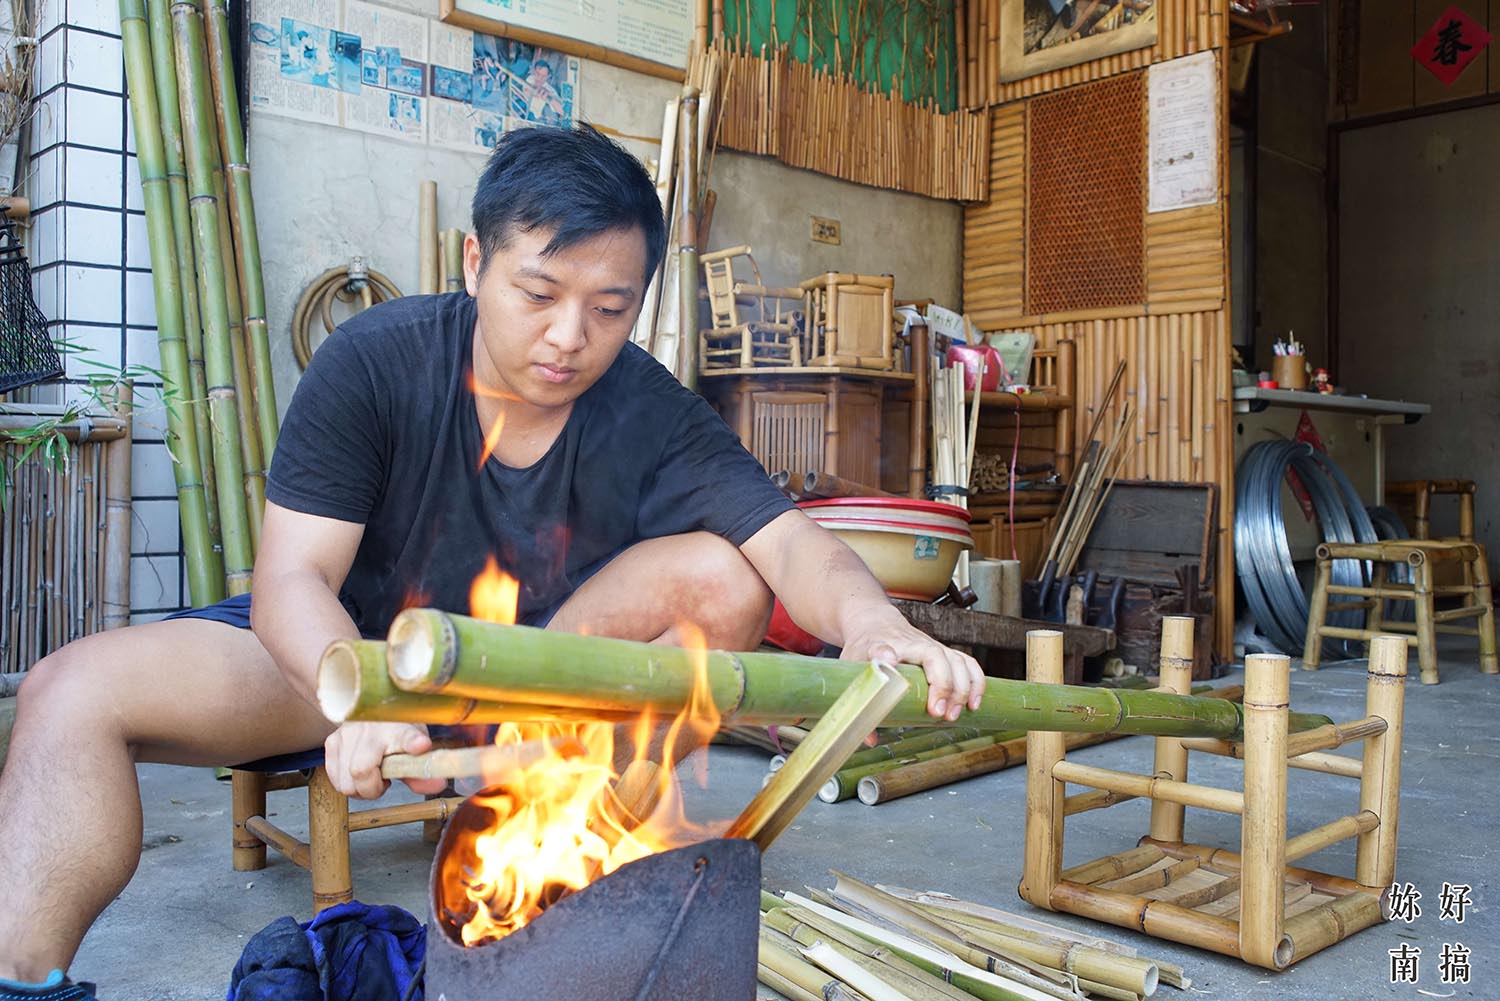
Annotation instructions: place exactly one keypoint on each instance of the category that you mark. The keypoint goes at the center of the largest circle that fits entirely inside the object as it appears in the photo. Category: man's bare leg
(187, 692)
(655, 587)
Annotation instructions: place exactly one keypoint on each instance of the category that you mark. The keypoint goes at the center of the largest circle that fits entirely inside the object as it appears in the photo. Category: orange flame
(493, 595)
(559, 824)
(492, 433)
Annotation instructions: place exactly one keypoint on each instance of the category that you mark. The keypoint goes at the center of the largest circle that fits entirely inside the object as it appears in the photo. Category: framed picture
(1038, 36)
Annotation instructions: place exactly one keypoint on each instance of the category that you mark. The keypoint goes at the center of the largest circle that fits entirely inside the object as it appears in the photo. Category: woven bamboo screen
(1183, 27)
(1085, 179)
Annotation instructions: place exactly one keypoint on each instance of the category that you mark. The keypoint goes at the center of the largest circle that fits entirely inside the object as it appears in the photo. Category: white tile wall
(92, 236)
(134, 199)
(47, 123)
(92, 293)
(46, 288)
(154, 527)
(50, 61)
(140, 298)
(154, 582)
(137, 242)
(151, 471)
(93, 177)
(45, 179)
(94, 119)
(100, 15)
(94, 60)
(46, 239)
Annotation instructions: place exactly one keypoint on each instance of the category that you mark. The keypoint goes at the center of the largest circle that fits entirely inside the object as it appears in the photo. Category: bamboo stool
(1252, 905)
(1419, 494)
(1422, 556)
(325, 853)
(849, 320)
(737, 341)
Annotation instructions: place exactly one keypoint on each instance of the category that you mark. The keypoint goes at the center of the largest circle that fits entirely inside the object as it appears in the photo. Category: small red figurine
(1320, 381)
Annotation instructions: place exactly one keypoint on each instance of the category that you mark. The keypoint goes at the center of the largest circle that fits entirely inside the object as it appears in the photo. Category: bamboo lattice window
(1086, 165)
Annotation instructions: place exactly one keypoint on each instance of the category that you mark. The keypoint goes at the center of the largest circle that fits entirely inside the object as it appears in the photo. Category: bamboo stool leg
(1484, 598)
(1422, 517)
(1312, 647)
(328, 840)
(1421, 569)
(1171, 756)
(1044, 794)
(1375, 618)
(247, 794)
(1263, 829)
(1380, 784)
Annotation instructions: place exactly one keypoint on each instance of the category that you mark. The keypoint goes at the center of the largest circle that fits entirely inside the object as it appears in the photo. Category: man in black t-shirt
(513, 422)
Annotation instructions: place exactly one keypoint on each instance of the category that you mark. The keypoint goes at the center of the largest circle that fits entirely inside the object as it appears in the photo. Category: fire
(572, 817)
(492, 433)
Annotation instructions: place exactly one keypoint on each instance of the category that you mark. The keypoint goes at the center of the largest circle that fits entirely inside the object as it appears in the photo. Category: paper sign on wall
(1183, 111)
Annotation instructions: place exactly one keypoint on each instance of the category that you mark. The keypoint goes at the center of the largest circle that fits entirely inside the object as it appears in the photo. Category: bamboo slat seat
(1422, 557)
(325, 853)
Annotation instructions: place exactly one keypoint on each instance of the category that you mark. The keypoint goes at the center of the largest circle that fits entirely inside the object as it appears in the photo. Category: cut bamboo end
(339, 681)
(413, 644)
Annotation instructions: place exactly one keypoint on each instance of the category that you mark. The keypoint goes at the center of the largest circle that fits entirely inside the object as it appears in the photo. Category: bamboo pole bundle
(876, 787)
(431, 651)
(250, 451)
(245, 234)
(687, 247)
(204, 583)
(453, 260)
(194, 99)
(427, 239)
(116, 596)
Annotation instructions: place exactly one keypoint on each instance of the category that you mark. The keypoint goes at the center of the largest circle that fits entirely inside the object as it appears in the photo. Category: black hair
(574, 182)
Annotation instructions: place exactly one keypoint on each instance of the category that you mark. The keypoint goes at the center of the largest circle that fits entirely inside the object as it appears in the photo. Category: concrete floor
(176, 931)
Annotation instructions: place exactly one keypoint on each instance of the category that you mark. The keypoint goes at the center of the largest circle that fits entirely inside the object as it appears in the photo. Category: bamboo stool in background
(1422, 556)
(1252, 905)
(849, 320)
(1419, 494)
(325, 853)
(736, 341)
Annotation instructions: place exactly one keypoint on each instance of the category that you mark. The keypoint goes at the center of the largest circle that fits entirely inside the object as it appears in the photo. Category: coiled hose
(1263, 559)
(354, 283)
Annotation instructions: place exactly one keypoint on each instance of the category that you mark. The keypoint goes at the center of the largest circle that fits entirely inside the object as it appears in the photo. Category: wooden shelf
(1023, 401)
(1252, 399)
(783, 371)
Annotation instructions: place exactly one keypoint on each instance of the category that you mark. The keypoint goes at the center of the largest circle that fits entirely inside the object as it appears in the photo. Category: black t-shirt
(382, 431)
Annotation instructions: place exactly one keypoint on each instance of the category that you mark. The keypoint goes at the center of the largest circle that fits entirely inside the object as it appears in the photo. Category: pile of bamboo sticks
(668, 324)
(779, 106)
(955, 430)
(858, 941)
(206, 274)
(65, 535)
(1101, 465)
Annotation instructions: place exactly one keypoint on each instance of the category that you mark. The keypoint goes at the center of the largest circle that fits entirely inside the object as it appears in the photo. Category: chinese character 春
(1403, 902)
(1453, 902)
(1404, 964)
(1450, 43)
(1453, 963)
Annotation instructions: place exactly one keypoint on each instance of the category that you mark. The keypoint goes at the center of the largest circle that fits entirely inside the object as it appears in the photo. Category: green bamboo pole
(250, 450)
(434, 651)
(182, 435)
(195, 394)
(195, 103)
(354, 684)
(246, 235)
(911, 745)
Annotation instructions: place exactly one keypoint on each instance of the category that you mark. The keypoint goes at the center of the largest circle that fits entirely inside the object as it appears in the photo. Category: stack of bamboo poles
(779, 106)
(955, 430)
(65, 533)
(668, 323)
(210, 297)
(440, 255)
(1101, 465)
(859, 941)
(1185, 27)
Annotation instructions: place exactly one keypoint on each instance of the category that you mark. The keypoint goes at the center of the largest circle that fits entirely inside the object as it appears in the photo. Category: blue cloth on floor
(350, 952)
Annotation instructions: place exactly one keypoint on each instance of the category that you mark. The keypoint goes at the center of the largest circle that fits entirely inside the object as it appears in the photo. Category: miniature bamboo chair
(1423, 556)
(849, 320)
(736, 341)
(325, 853)
(1419, 493)
(1252, 905)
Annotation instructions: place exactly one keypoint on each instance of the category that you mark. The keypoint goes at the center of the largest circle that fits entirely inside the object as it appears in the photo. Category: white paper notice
(453, 121)
(1184, 132)
(295, 60)
(392, 100)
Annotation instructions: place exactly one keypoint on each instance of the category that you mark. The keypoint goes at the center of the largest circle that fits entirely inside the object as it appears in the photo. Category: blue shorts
(235, 612)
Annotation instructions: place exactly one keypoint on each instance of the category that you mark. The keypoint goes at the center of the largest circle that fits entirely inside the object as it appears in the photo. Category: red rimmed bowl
(911, 546)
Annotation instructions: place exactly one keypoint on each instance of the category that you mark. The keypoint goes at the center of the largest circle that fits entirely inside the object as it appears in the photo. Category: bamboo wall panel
(778, 106)
(1186, 27)
(1185, 260)
(1085, 178)
(995, 231)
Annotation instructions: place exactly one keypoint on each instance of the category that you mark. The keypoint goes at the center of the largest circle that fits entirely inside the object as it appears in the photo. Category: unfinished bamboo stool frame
(325, 853)
(1270, 925)
(733, 340)
(849, 320)
(1423, 556)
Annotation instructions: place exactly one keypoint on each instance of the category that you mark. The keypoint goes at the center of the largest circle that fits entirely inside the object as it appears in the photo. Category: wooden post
(1380, 785)
(1312, 647)
(1483, 598)
(1171, 756)
(116, 595)
(328, 839)
(1263, 827)
(1421, 574)
(916, 483)
(247, 795)
(1044, 794)
(427, 239)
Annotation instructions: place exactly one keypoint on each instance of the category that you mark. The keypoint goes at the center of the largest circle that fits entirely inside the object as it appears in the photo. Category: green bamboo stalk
(182, 435)
(911, 745)
(195, 104)
(354, 684)
(246, 234)
(250, 451)
(434, 651)
(195, 394)
(845, 782)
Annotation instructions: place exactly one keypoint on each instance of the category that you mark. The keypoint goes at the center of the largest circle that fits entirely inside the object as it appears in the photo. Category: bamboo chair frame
(735, 340)
(1424, 557)
(325, 853)
(843, 329)
(1252, 905)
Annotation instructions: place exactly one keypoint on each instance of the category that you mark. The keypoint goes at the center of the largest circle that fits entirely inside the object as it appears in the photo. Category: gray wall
(1419, 293)
(1291, 207)
(324, 194)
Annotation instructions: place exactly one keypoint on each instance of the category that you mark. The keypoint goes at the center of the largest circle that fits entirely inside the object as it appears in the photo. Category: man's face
(549, 327)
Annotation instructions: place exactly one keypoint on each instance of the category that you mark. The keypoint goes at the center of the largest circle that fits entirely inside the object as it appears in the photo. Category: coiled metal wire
(1263, 560)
